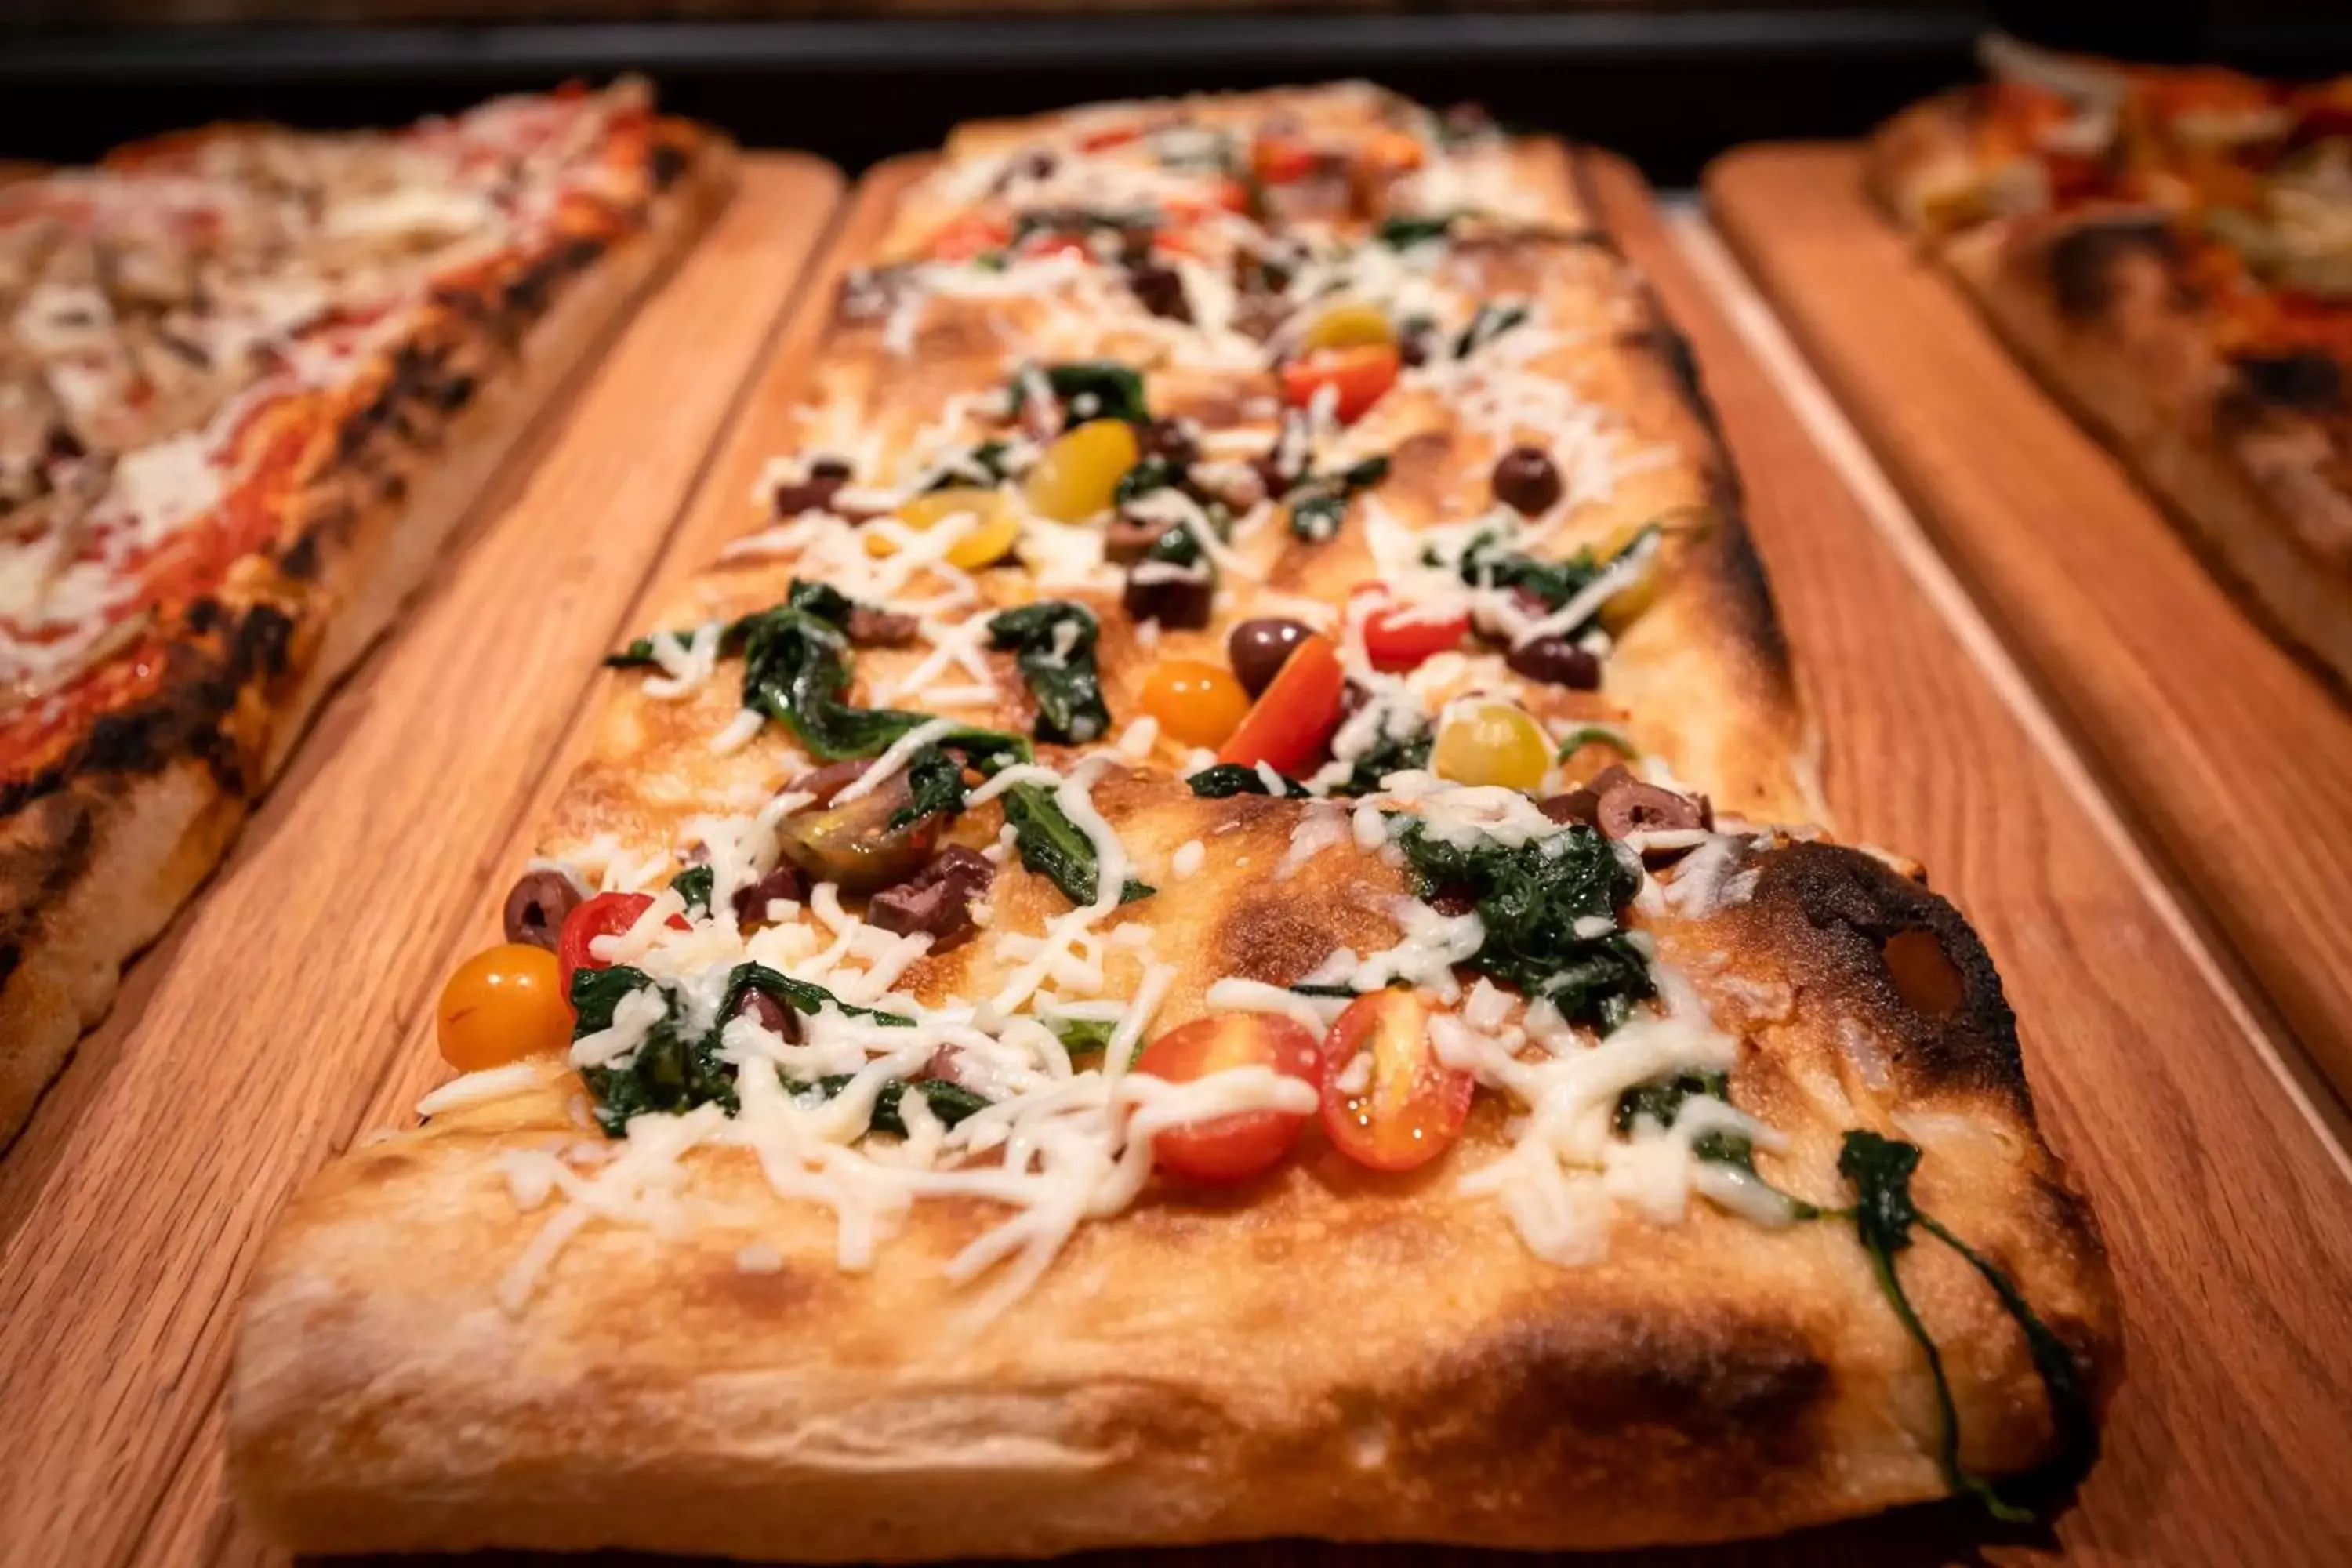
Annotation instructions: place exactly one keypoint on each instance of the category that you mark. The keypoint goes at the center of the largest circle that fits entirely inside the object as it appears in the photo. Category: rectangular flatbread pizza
(250, 380)
(2170, 250)
(1212, 924)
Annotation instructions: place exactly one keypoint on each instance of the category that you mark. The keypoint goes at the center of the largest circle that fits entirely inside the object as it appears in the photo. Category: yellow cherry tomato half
(1073, 477)
(503, 1004)
(1197, 703)
(995, 529)
(1484, 741)
(1626, 605)
(1347, 327)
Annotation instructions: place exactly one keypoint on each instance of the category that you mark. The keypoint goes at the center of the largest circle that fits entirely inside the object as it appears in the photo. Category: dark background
(1670, 84)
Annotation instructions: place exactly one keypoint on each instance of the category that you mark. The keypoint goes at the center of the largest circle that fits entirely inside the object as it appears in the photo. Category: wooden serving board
(2235, 756)
(244, 1046)
(2219, 1191)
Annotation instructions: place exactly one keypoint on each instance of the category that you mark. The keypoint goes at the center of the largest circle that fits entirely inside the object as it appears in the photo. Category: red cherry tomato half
(1400, 638)
(969, 235)
(1101, 140)
(1279, 160)
(1361, 373)
(1388, 1101)
(606, 914)
(1293, 718)
(1060, 245)
(1236, 1147)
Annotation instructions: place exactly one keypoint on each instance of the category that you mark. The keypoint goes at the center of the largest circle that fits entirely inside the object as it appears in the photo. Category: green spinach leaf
(1319, 504)
(1229, 779)
(694, 885)
(1053, 641)
(950, 1103)
(1050, 845)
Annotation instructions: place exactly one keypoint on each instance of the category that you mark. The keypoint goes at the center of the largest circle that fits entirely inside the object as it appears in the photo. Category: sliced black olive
(1160, 290)
(771, 1015)
(1631, 807)
(1258, 649)
(751, 903)
(537, 907)
(1527, 480)
(1555, 661)
(1183, 601)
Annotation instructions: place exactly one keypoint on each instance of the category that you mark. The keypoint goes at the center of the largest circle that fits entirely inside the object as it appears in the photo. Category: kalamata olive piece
(751, 903)
(1176, 599)
(936, 900)
(1126, 538)
(1169, 440)
(1527, 480)
(537, 907)
(870, 627)
(1630, 806)
(1259, 648)
(770, 1014)
(852, 844)
(830, 780)
(814, 493)
(1582, 803)
(1159, 291)
(1555, 661)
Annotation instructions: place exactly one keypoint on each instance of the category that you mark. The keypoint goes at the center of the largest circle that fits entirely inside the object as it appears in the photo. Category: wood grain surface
(2234, 754)
(2221, 1197)
(244, 1046)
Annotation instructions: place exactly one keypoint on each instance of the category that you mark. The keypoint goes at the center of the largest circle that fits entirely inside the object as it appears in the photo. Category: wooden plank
(239, 1056)
(2217, 1192)
(197, 1523)
(2238, 758)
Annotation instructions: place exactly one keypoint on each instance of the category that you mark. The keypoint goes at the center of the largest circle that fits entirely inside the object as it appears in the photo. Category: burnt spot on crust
(1901, 956)
(2083, 260)
(204, 615)
(1666, 344)
(2308, 380)
(665, 163)
(301, 559)
(201, 687)
(1747, 1390)
(11, 955)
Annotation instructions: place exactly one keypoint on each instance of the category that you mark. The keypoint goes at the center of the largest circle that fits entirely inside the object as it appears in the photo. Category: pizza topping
(1486, 742)
(1195, 703)
(503, 1004)
(538, 906)
(1288, 725)
(936, 900)
(1259, 647)
(1076, 477)
(1388, 1102)
(753, 902)
(1053, 642)
(1234, 1146)
(861, 844)
(1527, 480)
(1649, 818)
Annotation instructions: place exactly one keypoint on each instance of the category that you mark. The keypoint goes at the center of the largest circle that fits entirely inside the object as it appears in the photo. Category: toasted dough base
(106, 861)
(2278, 533)
(1326, 1352)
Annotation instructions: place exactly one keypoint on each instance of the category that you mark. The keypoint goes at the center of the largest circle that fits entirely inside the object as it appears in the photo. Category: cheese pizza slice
(1209, 926)
(249, 381)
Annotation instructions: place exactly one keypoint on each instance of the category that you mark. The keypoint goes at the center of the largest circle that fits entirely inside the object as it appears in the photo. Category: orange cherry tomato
(1058, 245)
(1388, 1101)
(972, 235)
(1236, 1147)
(1391, 152)
(1293, 719)
(1400, 638)
(1196, 703)
(1362, 373)
(1103, 141)
(606, 914)
(1279, 160)
(501, 1005)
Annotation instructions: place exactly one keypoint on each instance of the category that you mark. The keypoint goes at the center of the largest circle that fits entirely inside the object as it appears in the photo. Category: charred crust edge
(1851, 905)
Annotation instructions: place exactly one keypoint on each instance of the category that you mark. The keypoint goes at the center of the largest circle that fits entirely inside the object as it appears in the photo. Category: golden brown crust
(1326, 1354)
(1325, 1351)
(2099, 308)
(98, 854)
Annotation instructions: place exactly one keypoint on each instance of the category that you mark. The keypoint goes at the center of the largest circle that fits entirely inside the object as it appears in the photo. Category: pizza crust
(2153, 389)
(1323, 1353)
(95, 870)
